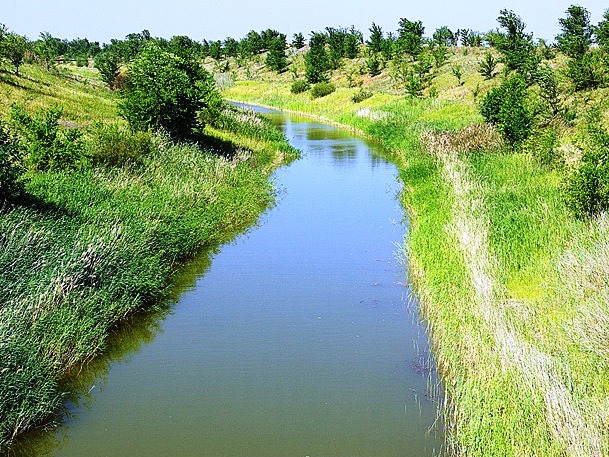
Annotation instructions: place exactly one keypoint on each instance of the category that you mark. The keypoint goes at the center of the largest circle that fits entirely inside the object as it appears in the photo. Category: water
(300, 338)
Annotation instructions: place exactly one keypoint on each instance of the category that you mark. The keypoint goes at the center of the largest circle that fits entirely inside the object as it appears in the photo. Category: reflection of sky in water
(296, 341)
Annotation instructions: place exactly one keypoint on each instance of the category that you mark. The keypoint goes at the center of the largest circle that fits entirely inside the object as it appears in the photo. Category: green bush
(114, 145)
(169, 92)
(46, 144)
(587, 188)
(299, 86)
(322, 89)
(507, 107)
(360, 96)
(9, 164)
(541, 144)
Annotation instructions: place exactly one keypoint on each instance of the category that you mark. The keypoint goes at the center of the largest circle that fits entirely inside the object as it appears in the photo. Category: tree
(316, 59)
(14, 47)
(585, 67)
(506, 107)
(169, 92)
(375, 42)
(231, 47)
(516, 47)
(298, 41)
(47, 49)
(108, 62)
(410, 37)
(602, 32)
(576, 36)
(443, 36)
(276, 59)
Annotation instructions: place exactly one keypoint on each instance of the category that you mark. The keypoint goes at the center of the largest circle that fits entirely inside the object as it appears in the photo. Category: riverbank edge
(240, 183)
(493, 405)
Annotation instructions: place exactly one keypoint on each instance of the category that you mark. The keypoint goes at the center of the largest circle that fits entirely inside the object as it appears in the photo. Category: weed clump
(322, 89)
(299, 86)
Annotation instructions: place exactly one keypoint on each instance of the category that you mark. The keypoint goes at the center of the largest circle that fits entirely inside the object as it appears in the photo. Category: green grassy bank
(88, 246)
(512, 285)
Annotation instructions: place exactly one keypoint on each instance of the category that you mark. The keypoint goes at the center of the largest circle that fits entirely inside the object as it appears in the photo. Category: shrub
(46, 144)
(9, 164)
(169, 92)
(542, 144)
(587, 188)
(299, 86)
(322, 89)
(361, 95)
(117, 146)
(507, 107)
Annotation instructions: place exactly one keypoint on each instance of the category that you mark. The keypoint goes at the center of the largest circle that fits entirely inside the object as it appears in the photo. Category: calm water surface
(300, 338)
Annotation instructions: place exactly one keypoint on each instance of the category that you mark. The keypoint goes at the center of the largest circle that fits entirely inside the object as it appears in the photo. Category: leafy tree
(443, 36)
(251, 45)
(276, 59)
(298, 41)
(549, 89)
(576, 36)
(585, 67)
(165, 91)
(410, 37)
(108, 62)
(516, 47)
(47, 49)
(487, 66)
(601, 32)
(14, 47)
(316, 59)
(375, 42)
(231, 47)
(215, 49)
(506, 107)
(184, 46)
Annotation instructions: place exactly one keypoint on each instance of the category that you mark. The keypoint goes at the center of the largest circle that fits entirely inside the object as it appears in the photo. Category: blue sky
(217, 19)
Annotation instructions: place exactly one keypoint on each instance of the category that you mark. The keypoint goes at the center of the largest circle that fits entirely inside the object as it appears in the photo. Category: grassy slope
(505, 272)
(102, 243)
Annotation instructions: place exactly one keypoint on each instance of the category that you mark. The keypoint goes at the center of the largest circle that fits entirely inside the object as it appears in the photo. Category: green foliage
(444, 37)
(518, 52)
(487, 66)
(440, 55)
(13, 47)
(507, 107)
(373, 63)
(322, 89)
(317, 62)
(168, 92)
(587, 188)
(108, 62)
(601, 32)
(375, 42)
(457, 72)
(47, 145)
(410, 37)
(549, 89)
(47, 49)
(298, 40)
(115, 146)
(299, 86)
(10, 157)
(342, 44)
(542, 144)
(576, 36)
(588, 71)
(361, 95)
(276, 59)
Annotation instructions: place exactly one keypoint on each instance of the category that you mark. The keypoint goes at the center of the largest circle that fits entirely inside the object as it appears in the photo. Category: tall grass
(90, 246)
(513, 287)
